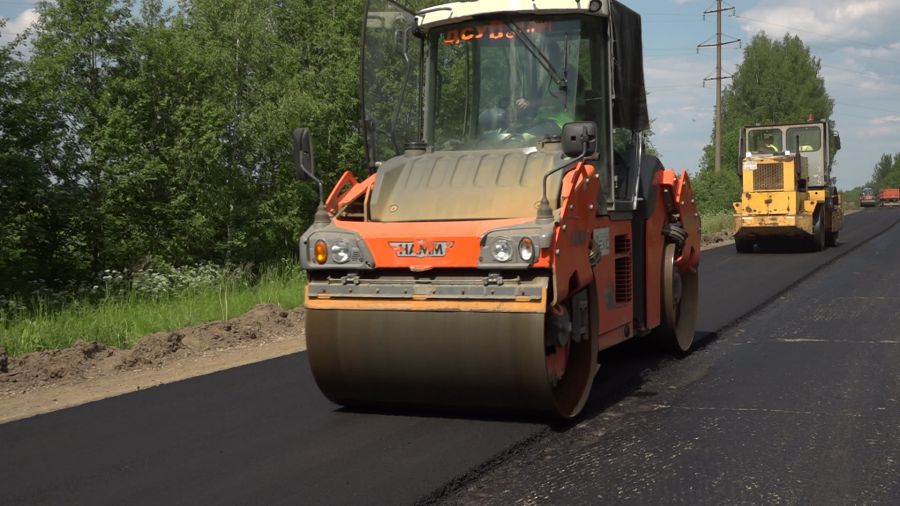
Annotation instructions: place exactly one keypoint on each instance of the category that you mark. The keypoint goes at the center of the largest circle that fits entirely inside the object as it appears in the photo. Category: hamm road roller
(500, 241)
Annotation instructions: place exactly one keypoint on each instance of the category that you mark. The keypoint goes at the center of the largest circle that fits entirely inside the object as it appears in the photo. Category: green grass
(120, 321)
(717, 222)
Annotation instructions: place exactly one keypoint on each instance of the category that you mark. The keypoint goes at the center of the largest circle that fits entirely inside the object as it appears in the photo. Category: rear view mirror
(304, 160)
(579, 137)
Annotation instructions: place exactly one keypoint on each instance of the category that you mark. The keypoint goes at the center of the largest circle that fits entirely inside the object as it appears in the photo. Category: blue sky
(855, 39)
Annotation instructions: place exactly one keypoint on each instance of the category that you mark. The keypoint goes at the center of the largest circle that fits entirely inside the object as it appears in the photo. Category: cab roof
(630, 104)
(437, 15)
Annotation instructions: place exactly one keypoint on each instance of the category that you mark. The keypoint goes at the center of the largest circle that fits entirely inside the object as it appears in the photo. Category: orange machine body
(567, 258)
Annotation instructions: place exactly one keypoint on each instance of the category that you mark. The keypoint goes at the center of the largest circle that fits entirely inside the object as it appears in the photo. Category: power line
(718, 45)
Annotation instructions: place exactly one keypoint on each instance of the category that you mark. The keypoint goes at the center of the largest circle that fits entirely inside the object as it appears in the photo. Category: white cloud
(885, 51)
(883, 120)
(884, 126)
(663, 127)
(835, 21)
(855, 78)
(18, 25)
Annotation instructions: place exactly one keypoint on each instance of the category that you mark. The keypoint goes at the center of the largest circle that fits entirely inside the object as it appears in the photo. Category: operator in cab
(549, 109)
(770, 144)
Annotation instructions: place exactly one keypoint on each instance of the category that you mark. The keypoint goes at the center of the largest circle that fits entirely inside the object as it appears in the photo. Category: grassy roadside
(717, 222)
(121, 319)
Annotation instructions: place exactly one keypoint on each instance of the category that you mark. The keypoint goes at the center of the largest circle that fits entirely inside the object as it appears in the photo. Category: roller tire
(817, 242)
(743, 245)
(679, 299)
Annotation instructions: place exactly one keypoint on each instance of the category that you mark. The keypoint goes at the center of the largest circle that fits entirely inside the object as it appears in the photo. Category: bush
(717, 222)
(715, 191)
(122, 306)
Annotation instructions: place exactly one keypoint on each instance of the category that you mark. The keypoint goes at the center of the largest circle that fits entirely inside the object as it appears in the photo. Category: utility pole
(718, 79)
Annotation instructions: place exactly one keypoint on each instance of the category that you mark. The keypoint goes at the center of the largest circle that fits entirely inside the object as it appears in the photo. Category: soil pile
(86, 360)
(717, 238)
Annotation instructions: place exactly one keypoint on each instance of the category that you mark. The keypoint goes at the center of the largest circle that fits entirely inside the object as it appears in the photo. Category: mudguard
(684, 212)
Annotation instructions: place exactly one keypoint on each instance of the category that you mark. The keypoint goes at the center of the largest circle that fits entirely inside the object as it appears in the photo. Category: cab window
(810, 139)
(765, 141)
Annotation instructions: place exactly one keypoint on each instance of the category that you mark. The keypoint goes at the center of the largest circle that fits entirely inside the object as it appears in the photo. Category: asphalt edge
(469, 476)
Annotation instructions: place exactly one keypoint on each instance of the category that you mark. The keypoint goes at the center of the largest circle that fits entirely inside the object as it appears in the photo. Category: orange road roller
(511, 226)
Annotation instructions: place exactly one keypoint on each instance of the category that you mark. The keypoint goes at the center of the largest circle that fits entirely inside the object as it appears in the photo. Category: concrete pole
(718, 85)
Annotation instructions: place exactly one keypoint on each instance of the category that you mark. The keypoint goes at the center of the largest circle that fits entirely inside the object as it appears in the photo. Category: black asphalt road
(797, 404)
(263, 434)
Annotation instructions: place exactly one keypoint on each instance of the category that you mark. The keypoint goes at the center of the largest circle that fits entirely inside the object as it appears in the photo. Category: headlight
(340, 252)
(501, 250)
(331, 248)
(526, 249)
(321, 252)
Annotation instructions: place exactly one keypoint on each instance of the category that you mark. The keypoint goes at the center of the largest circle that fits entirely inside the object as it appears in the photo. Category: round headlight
(501, 250)
(340, 252)
(526, 249)
(321, 252)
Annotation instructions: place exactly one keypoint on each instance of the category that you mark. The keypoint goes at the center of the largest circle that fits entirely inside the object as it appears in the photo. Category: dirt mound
(81, 360)
(85, 360)
(717, 238)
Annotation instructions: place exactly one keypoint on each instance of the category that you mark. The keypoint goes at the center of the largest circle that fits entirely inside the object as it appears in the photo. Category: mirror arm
(637, 139)
(303, 148)
(544, 213)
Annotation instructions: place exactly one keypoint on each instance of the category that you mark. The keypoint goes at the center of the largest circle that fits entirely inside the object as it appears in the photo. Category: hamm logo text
(421, 249)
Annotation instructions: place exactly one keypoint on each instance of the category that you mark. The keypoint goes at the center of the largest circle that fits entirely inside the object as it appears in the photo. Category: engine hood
(463, 185)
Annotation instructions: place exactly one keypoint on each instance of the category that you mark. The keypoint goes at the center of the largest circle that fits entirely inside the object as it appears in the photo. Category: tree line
(886, 173)
(131, 132)
(135, 132)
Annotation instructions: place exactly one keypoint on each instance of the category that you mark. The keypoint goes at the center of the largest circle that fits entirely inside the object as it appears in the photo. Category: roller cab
(499, 242)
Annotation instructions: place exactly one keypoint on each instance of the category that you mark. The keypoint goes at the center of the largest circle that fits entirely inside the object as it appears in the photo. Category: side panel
(591, 248)
(571, 258)
(612, 278)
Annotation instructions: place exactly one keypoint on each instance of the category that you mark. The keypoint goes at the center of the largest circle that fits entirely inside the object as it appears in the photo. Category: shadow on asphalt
(622, 373)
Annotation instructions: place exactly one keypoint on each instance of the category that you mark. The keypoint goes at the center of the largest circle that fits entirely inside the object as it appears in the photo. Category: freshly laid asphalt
(797, 404)
(657, 429)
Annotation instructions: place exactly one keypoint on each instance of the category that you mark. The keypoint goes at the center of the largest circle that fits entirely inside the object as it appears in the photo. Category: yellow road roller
(787, 192)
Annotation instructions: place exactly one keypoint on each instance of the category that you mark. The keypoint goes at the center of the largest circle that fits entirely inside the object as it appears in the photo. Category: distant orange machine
(889, 196)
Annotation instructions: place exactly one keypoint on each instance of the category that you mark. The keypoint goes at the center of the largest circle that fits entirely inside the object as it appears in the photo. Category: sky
(855, 40)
